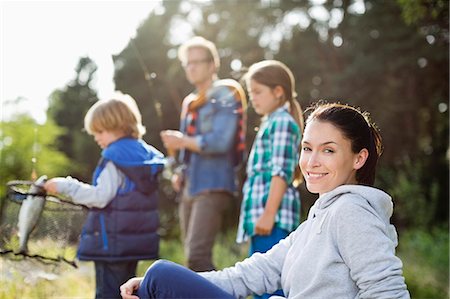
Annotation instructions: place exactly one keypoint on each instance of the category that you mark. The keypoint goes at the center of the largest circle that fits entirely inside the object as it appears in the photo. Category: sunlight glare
(236, 64)
(61, 33)
(319, 13)
(297, 17)
(358, 7)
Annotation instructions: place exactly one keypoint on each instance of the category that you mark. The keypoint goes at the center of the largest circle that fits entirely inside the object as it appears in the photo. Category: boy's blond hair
(120, 113)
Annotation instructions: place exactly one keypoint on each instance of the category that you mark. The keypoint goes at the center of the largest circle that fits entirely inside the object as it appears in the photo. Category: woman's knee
(161, 269)
(156, 279)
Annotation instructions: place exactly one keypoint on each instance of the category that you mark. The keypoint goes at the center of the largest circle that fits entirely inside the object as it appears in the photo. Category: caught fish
(30, 212)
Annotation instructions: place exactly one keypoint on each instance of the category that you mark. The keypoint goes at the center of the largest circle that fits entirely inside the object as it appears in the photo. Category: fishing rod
(148, 79)
(33, 158)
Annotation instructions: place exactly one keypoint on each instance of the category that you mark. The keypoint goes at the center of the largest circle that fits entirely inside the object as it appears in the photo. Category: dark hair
(358, 128)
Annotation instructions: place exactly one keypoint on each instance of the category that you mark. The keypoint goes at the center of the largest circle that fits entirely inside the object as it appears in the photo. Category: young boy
(121, 226)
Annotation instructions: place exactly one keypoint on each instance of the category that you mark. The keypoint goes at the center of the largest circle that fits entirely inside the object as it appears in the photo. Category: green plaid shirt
(275, 152)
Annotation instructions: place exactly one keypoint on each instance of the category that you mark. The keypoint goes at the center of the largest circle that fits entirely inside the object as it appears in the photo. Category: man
(211, 144)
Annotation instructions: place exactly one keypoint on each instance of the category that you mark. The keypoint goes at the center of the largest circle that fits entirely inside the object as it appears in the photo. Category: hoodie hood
(378, 200)
(375, 200)
(129, 152)
(139, 161)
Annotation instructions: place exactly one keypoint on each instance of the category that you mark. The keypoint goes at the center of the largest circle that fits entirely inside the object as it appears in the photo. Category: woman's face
(327, 160)
(264, 99)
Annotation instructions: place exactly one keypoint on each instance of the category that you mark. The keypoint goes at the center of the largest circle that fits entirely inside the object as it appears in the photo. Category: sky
(41, 43)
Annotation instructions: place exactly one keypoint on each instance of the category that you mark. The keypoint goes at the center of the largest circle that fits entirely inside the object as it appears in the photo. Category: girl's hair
(273, 73)
(120, 113)
(358, 128)
(199, 42)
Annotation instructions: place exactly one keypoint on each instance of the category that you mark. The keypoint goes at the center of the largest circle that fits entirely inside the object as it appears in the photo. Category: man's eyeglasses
(195, 62)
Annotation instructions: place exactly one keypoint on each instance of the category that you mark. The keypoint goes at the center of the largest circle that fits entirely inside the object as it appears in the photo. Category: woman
(346, 247)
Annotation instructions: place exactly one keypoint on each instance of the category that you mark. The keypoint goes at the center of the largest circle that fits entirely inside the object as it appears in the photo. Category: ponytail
(366, 175)
(297, 113)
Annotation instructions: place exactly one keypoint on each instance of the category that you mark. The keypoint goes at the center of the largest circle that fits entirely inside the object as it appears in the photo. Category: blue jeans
(263, 244)
(165, 279)
(109, 276)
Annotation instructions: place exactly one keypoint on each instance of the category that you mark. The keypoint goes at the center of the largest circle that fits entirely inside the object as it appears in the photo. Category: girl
(346, 247)
(271, 203)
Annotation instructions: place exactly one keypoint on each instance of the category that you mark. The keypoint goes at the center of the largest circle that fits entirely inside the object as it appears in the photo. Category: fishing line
(33, 158)
(148, 77)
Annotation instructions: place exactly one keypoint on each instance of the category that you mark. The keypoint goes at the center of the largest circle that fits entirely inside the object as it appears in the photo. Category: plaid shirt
(275, 152)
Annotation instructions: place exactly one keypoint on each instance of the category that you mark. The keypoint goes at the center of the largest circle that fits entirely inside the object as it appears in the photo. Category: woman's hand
(127, 289)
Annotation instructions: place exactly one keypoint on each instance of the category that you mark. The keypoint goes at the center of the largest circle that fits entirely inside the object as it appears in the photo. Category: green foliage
(397, 70)
(416, 204)
(67, 108)
(399, 73)
(425, 259)
(21, 140)
(423, 10)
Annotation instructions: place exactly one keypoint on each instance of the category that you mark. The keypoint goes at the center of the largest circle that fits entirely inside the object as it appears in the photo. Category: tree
(26, 147)
(390, 58)
(67, 107)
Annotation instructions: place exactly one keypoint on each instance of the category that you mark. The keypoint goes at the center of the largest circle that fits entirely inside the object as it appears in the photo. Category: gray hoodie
(345, 249)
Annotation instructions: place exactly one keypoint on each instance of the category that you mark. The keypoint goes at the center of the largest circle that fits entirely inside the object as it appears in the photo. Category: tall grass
(27, 278)
(425, 257)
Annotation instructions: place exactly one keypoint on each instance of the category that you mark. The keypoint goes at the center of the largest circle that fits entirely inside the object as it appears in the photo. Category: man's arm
(176, 140)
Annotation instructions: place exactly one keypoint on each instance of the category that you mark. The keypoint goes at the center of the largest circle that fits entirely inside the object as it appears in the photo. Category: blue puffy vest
(126, 229)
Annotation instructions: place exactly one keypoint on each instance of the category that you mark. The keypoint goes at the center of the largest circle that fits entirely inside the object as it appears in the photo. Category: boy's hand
(127, 289)
(51, 185)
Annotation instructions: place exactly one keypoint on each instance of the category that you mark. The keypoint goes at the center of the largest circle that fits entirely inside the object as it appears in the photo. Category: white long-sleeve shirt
(108, 182)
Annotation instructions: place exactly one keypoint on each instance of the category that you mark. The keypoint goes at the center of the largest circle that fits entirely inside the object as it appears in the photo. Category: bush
(425, 259)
